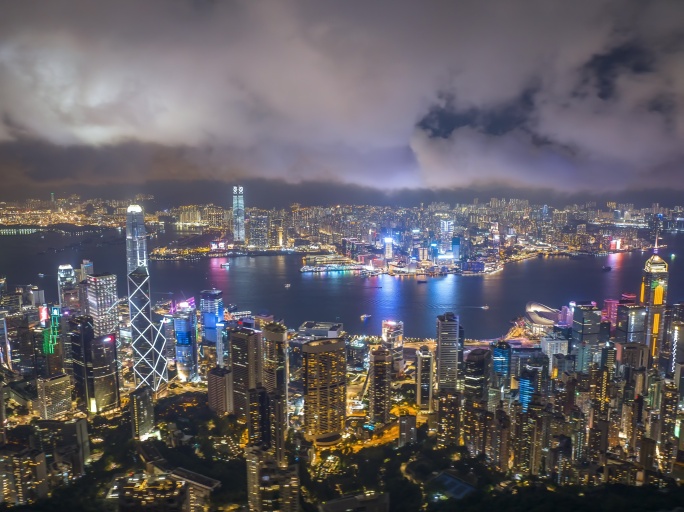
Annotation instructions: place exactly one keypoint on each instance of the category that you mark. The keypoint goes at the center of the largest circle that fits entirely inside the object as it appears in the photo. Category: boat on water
(225, 265)
(422, 281)
(365, 317)
(606, 268)
(485, 307)
(41, 275)
(287, 285)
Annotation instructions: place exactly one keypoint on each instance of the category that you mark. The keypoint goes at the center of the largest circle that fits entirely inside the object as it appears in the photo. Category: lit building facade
(653, 295)
(238, 215)
(380, 386)
(141, 405)
(247, 365)
(393, 342)
(102, 301)
(425, 382)
(449, 351)
(325, 389)
(185, 330)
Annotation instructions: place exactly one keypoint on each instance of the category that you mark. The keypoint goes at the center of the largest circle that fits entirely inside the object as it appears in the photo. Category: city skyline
(394, 98)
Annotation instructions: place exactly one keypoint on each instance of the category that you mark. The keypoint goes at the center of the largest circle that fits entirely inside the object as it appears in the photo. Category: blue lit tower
(501, 355)
(148, 342)
(67, 286)
(211, 310)
(238, 215)
(185, 327)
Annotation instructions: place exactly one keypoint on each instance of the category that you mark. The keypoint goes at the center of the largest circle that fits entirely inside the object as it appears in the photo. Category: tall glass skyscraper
(185, 328)
(211, 310)
(148, 342)
(136, 238)
(448, 349)
(238, 215)
(101, 302)
(67, 286)
(653, 295)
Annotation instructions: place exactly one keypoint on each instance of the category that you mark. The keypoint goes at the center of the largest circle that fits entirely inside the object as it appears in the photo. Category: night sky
(343, 101)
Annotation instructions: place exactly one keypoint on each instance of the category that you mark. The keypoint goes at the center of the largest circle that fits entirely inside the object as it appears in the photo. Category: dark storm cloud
(390, 95)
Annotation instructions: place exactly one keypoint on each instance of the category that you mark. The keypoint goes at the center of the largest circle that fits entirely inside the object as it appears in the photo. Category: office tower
(141, 405)
(54, 396)
(527, 386)
(380, 386)
(608, 357)
(270, 487)
(101, 303)
(5, 349)
(501, 361)
(67, 287)
(96, 379)
(675, 333)
(185, 331)
(258, 417)
(425, 371)
(64, 442)
(151, 493)
(23, 473)
(136, 239)
(220, 390)
(238, 215)
(276, 371)
(86, 269)
(56, 358)
(258, 230)
(393, 341)
(325, 389)
(586, 324)
(247, 361)
(211, 311)
(449, 418)
(388, 245)
(449, 351)
(653, 295)
(634, 355)
(610, 311)
(147, 340)
(407, 429)
(631, 323)
(478, 366)
(668, 412)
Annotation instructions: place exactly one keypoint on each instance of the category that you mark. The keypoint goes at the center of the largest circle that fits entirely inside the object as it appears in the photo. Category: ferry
(287, 285)
(421, 280)
(365, 317)
(225, 265)
(41, 275)
(606, 268)
(485, 307)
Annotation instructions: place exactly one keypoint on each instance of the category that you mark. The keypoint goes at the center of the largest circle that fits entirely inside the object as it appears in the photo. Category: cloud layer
(388, 94)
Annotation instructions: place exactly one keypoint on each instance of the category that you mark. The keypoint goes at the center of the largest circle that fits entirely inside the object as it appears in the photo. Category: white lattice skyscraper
(148, 342)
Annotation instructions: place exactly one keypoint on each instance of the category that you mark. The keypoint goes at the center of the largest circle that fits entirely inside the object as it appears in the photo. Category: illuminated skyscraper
(185, 329)
(631, 323)
(653, 295)
(448, 349)
(501, 359)
(325, 389)
(54, 396)
(96, 377)
(380, 386)
(478, 367)
(101, 303)
(211, 311)
(148, 342)
(247, 362)
(389, 248)
(270, 487)
(238, 215)
(147, 339)
(258, 230)
(220, 390)
(425, 371)
(393, 342)
(136, 239)
(67, 287)
(142, 412)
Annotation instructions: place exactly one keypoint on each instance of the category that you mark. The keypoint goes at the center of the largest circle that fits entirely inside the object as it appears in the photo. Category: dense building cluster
(578, 395)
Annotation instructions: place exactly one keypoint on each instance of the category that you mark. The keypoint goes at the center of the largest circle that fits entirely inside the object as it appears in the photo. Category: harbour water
(259, 284)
